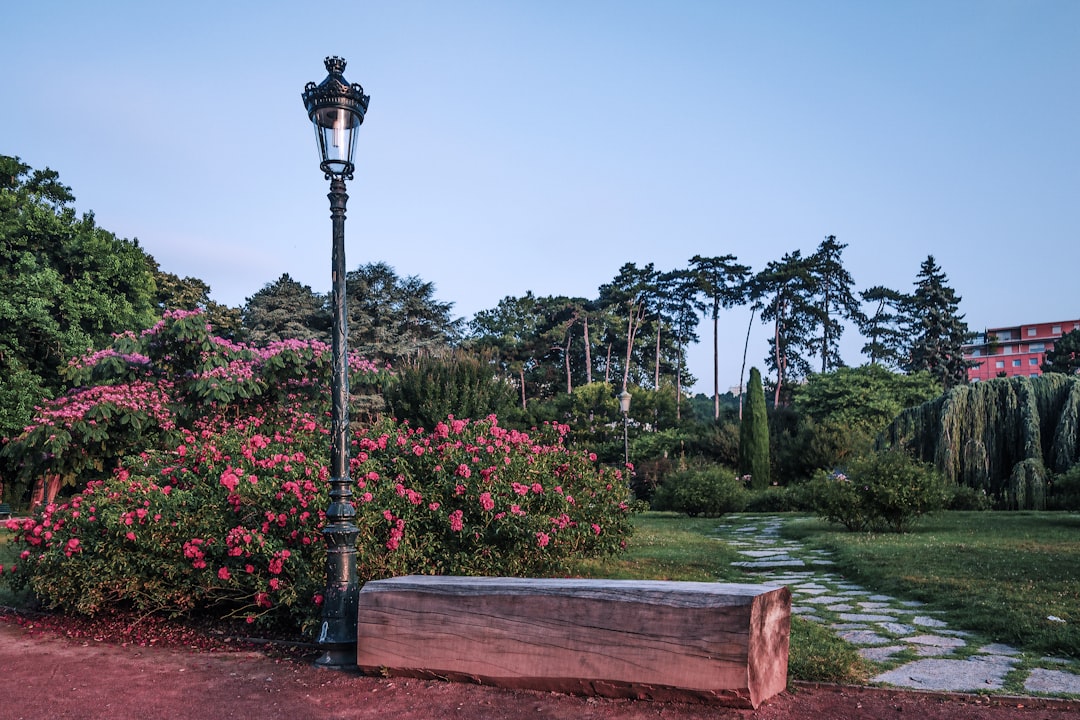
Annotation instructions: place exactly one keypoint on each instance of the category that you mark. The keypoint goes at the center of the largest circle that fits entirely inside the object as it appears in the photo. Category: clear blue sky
(514, 146)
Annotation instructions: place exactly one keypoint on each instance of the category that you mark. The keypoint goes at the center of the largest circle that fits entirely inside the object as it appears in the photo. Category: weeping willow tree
(1003, 436)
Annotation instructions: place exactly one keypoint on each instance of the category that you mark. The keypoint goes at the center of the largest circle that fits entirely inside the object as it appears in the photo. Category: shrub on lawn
(885, 491)
(779, 498)
(705, 491)
(1064, 492)
(228, 521)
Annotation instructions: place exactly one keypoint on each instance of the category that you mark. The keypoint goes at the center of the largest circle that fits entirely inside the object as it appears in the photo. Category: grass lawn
(668, 546)
(1002, 574)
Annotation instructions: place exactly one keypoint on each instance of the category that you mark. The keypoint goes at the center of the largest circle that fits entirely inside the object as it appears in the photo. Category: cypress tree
(754, 434)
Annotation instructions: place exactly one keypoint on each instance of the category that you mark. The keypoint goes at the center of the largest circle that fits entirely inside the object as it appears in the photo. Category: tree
(754, 434)
(865, 398)
(938, 331)
(784, 293)
(392, 317)
(1064, 357)
(286, 309)
(510, 331)
(66, 285)
(680, 303)
(189, 293)
(723, 282)
(884, 327)
(631, 294)
(428, 390)
(833, 299)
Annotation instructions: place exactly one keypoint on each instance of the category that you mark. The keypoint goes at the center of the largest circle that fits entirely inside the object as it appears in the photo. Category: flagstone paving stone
(882, 626)
(986, 672)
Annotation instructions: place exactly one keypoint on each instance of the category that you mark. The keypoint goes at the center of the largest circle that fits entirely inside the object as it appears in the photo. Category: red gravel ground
(57, 668)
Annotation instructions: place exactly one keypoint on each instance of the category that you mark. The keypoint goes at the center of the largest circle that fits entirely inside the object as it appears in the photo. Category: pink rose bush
(232, 525)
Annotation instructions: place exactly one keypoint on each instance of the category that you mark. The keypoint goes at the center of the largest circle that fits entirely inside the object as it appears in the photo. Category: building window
(1004, 335)
(1056, 330)
(1000, 364)
(976, 352)
(1037, 347)
(1016, 362)
(1033, 361)
(1032, 332)
(1034, 374)
(1006, 350)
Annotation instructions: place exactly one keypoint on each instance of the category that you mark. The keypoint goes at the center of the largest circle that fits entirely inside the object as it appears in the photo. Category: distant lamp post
(624, 405)
(337, 109)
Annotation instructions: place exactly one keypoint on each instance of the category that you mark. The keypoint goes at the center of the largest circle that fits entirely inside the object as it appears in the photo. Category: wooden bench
(5, 511)
(660, 640)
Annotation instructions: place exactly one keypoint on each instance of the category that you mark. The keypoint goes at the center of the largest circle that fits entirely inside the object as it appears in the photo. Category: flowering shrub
(885, 491)
(228, 519)
(710, 491)
(142, 390)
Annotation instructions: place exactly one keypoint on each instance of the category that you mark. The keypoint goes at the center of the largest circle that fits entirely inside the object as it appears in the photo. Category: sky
(512, 146)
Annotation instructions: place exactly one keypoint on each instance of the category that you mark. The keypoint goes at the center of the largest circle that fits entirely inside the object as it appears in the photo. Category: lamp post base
(343, 658)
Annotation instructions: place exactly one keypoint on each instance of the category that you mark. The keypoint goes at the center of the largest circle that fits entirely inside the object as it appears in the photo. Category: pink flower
(130, 536)
(456, 523)
(463, 470)
(230, 480)
(596, 528)
(542, 539)
(73, 544)
(223, 573)
(486, 502)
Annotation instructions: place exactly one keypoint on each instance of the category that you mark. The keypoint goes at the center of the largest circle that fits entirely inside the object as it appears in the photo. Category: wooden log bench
(711, 642)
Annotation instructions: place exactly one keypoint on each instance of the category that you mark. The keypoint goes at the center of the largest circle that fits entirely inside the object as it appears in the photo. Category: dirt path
(46, 675)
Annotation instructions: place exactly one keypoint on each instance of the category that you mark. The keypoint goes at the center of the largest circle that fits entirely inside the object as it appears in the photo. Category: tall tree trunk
(521, 375)
(716, 361)
(588, 354)
(678, 384)
(742, 370)
(637, 314)
(607, 365)
(37, 496)
(825, 334)
(656, 370)
(566, 360)
(781, 361)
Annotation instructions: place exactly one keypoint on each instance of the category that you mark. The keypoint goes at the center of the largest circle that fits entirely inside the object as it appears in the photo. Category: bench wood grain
(714, 642)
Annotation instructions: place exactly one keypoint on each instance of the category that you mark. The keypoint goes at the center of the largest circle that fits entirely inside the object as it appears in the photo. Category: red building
(1016, 350)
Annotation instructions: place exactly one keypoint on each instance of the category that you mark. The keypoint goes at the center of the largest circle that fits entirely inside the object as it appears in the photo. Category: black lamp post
(337, 109)
(624, 405)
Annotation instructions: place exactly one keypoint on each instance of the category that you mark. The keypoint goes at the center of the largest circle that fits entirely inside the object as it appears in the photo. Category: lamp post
(624, 405)
(337, 109)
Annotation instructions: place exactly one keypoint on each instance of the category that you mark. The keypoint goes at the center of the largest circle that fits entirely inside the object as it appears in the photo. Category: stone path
(911, 646)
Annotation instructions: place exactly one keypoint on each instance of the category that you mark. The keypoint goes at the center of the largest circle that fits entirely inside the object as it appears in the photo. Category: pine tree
(938, 330)
(754, 434)
(883, 328)
(833, 299)
(784, 293)
(722, 282)
(1064, 357)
